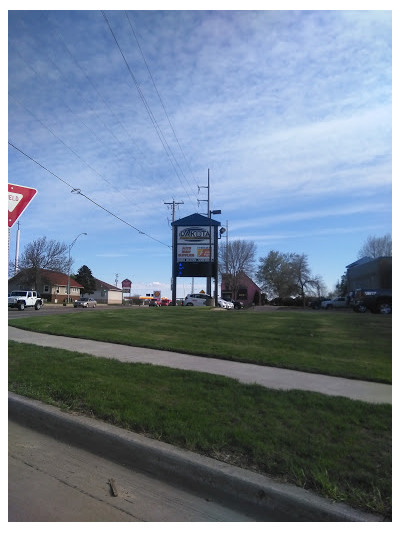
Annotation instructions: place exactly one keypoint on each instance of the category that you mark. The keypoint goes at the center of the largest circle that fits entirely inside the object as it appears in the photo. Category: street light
(69, 262)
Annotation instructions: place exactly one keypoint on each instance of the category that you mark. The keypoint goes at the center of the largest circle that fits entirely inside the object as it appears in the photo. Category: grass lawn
(342, 344)
(336, 447)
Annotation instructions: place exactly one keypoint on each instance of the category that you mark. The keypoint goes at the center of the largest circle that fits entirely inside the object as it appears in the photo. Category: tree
(302, 274)
(235, 258)
(285, 275)
(377, 247)
(85, 278)
(39, 255)
(276, 276)
(341, 286)
(317, 287)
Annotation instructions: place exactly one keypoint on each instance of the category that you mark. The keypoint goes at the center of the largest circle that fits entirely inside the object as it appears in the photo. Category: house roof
(361, 261)
(58, 278)
(103, 285)
(54, 278)
(367, 259)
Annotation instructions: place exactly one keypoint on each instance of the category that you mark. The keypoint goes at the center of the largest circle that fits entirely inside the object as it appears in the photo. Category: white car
(196, 299)
(85, 302)
(335, 303)
(225, 304)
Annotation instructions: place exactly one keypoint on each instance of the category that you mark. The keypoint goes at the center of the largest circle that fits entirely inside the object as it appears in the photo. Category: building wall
(105, 296)
(375, 274)
(114, 297)
(245, 292)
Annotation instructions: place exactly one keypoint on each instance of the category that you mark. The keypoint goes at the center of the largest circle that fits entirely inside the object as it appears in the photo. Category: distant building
(105, 293)
(369, 273)
(240, 288)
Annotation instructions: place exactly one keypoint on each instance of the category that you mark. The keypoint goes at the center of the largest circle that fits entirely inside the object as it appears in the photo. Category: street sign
(18, 200)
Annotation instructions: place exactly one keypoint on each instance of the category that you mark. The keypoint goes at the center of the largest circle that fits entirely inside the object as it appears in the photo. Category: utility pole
(173, 279)
(173, 203)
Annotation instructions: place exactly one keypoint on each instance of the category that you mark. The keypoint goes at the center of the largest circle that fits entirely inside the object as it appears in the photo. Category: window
(46, 288)
(242, 293)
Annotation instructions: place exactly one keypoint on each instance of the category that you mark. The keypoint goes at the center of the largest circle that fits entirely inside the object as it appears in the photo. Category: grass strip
(336, 447)
(349, 345)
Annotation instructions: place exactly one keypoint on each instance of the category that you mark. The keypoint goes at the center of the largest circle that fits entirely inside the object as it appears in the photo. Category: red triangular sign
(18, 200)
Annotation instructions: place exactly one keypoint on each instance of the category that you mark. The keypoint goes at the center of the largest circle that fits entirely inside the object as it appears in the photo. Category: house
(240, 288)
(105, 293)
(51, 285)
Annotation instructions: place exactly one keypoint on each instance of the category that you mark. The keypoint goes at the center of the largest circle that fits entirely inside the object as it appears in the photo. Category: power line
(156, 126)
(76, 116)
(78, 191)
(68, 147)
(159, 96)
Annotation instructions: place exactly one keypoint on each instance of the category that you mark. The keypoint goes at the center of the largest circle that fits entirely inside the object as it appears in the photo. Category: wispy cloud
(290, 111)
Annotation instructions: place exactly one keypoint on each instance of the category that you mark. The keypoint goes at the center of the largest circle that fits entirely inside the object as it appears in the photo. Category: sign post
(195, 249)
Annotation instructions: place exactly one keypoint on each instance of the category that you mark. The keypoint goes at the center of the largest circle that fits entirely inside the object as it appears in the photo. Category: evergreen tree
(85, 278)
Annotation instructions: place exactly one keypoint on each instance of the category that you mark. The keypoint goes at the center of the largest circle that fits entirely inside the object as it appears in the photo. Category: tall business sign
(195, 248)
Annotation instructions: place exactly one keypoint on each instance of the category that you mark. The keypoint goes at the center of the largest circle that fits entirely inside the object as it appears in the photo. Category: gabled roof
(361, 261)
(196, 220)
(367, 259)
(103, 285)
(54, 278)
(58, 278)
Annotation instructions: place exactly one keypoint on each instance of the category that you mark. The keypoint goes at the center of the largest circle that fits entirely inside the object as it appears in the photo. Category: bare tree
(236, 258)
(317, 287)
(377, 247)
(39, 255)
(302, 274)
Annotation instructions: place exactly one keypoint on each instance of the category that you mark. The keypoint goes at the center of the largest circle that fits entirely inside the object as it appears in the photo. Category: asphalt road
(54, 309)
(50, 481)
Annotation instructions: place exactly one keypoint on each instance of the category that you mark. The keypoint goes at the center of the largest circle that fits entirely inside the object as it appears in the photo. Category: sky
(115, 115)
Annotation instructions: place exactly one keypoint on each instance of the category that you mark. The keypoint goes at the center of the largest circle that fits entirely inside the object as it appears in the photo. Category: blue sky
(289, 110)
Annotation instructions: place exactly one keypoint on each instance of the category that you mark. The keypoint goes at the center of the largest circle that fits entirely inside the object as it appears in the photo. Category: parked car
(238, 304)
(335, 303)
(196, 299)
(85, 302)
(225, 304)
(154, 303)
(375, 300)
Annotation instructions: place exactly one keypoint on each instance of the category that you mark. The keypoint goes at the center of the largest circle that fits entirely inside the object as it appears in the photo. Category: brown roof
(103, 285)
(58, 278)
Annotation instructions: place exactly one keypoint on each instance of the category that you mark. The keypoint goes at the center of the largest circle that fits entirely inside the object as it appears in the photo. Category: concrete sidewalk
(274, 378)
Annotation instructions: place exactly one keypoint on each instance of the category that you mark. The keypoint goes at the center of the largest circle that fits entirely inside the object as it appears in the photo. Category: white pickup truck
(22, 299)
(341, 301)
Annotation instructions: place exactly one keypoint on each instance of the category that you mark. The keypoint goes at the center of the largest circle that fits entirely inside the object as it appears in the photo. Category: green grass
(336, 447)
(342, 344)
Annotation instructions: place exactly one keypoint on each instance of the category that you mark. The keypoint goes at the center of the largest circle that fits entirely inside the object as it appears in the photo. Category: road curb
(259, 496)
